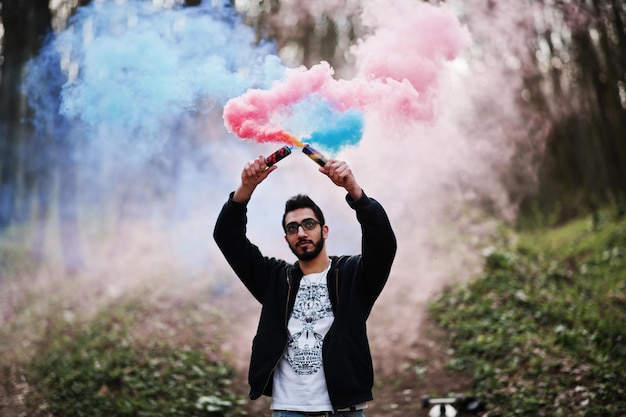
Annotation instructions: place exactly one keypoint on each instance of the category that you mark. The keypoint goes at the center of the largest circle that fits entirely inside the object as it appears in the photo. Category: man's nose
(301, 231)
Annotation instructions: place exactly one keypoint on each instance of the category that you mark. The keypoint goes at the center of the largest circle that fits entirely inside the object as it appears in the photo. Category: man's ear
(325, 231)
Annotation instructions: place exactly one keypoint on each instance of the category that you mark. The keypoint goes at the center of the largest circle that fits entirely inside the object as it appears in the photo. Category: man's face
(305, 244)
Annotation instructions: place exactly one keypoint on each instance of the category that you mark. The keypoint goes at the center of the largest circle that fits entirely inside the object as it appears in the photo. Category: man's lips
(303, 243)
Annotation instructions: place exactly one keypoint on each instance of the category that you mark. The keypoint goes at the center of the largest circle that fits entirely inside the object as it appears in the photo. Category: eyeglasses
(307, 224)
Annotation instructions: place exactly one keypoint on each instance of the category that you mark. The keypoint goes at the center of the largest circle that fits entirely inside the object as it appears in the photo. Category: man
(311, 352)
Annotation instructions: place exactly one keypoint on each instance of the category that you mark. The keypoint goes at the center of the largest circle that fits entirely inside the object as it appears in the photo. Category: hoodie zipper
(337, 286)
(336, 269)
(286, 323)
(336, 306)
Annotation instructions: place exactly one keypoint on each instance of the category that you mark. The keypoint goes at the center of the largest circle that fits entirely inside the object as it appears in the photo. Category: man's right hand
(253, 173)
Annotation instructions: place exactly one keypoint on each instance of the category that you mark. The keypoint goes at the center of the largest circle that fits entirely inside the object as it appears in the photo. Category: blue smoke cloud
(340, 130)
(317, 121)
(128, 71)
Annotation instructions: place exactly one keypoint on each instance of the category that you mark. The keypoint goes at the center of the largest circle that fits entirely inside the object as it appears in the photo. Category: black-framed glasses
(307, 224)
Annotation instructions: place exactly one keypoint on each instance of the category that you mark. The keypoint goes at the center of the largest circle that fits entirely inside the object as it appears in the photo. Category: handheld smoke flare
(315, 155)
(280, 154)
(318, 157)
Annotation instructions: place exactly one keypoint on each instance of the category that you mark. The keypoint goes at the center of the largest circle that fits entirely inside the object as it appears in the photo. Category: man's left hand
(341, 175)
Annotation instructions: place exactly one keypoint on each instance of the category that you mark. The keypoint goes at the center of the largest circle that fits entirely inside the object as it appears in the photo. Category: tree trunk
(25, 23)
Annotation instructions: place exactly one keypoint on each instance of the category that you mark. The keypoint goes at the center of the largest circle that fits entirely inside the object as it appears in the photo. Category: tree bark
(25, 23)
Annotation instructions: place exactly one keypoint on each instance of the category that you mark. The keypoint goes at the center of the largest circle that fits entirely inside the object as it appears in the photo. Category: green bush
(98, 369)
(542, 332)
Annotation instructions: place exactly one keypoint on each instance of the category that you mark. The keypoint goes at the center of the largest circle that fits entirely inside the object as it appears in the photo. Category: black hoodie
(354, 283)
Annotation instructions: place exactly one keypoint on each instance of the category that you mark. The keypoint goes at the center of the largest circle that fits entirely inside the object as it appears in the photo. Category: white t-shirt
(299, 381)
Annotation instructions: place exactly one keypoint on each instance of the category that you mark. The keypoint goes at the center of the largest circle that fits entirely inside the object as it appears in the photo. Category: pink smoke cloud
(398, 69)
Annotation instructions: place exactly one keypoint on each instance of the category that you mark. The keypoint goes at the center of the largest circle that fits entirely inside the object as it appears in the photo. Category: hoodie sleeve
(378, 245)
(245, 258)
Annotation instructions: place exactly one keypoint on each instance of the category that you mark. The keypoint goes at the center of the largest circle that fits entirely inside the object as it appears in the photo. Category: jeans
(281, 413)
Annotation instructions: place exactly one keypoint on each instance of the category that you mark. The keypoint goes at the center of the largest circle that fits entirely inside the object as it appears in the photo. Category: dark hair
(303, 201)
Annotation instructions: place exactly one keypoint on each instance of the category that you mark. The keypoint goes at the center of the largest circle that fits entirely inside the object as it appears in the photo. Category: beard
(308, 255)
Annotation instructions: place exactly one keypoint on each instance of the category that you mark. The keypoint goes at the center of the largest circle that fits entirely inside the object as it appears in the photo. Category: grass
(111, 365)
(69, 346)
(542, 331)
(98, 368)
